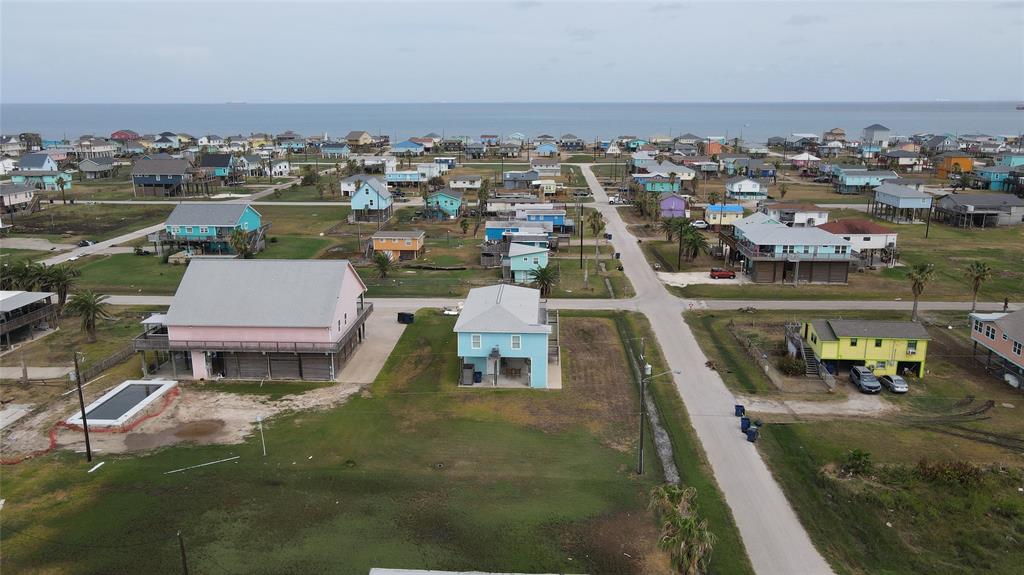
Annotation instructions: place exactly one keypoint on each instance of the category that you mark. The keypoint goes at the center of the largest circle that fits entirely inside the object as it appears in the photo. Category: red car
(720, 274)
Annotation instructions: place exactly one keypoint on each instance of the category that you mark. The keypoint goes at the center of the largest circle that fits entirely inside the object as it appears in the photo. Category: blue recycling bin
(478, 376)
(744, 424)
(752, 434)
(740, 410)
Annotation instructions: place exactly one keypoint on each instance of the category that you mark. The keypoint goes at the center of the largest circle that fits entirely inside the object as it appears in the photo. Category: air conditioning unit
(911, 352)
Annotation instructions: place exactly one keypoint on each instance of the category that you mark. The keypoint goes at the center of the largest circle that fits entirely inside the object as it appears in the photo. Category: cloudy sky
(491, 51)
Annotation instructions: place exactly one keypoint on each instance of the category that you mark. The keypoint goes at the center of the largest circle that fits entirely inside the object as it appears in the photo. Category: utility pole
(579, 223)
(184, 559)
(81, 404)
(643, 418)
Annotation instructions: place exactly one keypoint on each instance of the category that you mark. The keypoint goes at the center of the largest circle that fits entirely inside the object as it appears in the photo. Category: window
(536, 261)
(204, 230)
(339, 323)
(990, 332)
(853, 341)
(880, 365)
(977, 325)
(177, 230)
(517, 342)
(912, 347)
(346, 318)
(1016, 348)
(867, 238)
(814, 338)
(188, 229)
(788, 249)
(408, 242)
(878, 343)
(474, 341)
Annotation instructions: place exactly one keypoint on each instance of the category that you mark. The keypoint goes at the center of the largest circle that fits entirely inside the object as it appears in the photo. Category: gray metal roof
(101, 164)
(7, 189)
(399, 234)
(990, 201)
(833, 329)
(259, 293)
(901, 191)
(160, 166)
(206, 214)
(516, 249)
(1012, 325)
(12, 300)
(502, 309)
(32, 161)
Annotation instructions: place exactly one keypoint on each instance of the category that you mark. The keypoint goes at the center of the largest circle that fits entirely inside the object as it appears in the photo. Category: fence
(92, 370)
(762, 358)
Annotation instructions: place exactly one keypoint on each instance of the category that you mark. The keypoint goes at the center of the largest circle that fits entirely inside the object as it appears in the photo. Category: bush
(857, 462)
(953, 472)
(790, 365)
(273, 239)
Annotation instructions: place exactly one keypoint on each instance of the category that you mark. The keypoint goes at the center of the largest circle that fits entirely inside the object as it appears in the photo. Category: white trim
(164, 387)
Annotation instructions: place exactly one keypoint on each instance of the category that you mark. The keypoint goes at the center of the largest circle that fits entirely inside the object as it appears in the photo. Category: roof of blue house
(729, 208)
(215, 160)
(32, 161)
(378, 186)
(212, 214)
(502, 309)
(408, 144)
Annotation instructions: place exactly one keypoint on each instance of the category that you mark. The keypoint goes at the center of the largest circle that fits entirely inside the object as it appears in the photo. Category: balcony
(756, 252)
(47, 312)
(157, 339)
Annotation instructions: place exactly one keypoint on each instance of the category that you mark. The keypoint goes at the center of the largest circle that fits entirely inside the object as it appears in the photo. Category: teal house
(521, 260)
(993, 177)
(1011, 159)
(372, 201)
(207, 228)
(41, 180)
(445, 202)
(505, 340)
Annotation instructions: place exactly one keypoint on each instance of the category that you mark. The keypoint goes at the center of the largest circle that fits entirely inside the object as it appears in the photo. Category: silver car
(895, 383)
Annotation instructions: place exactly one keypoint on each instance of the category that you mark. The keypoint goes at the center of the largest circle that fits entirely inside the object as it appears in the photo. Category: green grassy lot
(893, 520)
(9, 256)
(611, 169)
(129, 274)
(949, 249)
(573, 176)
(84, 221)
(302, 220)
(413, 473)
(295, 247)
(584, 158)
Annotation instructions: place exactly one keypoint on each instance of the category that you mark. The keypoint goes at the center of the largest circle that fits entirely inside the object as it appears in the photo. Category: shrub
(962, 473)
(857, 462)
(790, 365)
(273, 239)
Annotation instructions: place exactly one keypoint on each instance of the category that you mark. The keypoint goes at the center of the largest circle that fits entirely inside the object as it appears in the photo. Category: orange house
(399, 245)
(946, 164)
(711, 147)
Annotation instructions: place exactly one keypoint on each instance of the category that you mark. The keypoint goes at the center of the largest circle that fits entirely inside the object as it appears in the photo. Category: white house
(744, 188)
(211, 140)
(795, 214)
(280, 168)
(865, 236)
(15, 197)
(428, 170)
(7, 165)
(465, 182)
(546, 166)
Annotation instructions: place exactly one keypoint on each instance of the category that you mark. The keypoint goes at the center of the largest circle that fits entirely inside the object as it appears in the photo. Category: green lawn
(9, 256)
(414, 473)
(71, 222)
(295, 247)
(129, 274)
(302, 220)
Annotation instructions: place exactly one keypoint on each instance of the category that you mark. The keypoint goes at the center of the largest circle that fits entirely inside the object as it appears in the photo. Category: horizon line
(526, 102)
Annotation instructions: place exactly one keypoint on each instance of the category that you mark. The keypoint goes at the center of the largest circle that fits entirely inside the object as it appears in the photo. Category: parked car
(895, 383)
(699, 224)
(722, 274)
(864, 379)
(85, 243)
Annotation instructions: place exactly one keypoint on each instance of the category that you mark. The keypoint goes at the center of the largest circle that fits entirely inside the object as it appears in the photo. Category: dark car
(864, 379)
(721, 274)
(85, 243)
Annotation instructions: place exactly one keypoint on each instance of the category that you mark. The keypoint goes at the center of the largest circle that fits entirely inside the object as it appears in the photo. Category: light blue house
(1011, 160)
(372, 201)
(445, 201)
(658, 184)
(207, 227)
(993, 177)
(546, 150)
(335, 150)
(857, 182)
(504, 339)
(521, 260)
(496, 230)
(39, 171)
(408, 148)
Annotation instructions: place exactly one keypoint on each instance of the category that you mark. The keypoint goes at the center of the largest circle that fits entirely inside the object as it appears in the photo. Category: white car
(699, 224)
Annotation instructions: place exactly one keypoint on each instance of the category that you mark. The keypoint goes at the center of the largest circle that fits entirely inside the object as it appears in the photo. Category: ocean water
(752, 121)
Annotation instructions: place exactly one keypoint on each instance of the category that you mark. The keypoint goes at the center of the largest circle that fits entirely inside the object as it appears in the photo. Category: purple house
(672, 206)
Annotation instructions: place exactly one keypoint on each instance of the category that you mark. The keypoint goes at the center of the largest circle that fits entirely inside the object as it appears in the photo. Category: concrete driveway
(683, 279)
(382, 333)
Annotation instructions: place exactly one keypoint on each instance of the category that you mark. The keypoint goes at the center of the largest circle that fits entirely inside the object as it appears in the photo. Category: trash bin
(744, 424)
(617, 255)
(405, 317)
(740, 410)
(478, 376)
(752, 434)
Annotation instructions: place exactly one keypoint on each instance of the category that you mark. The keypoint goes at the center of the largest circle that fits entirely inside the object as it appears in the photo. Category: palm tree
(544, 279)
(25, 275)
(90, 306)
(782, 191)
(681, 228)
(714, 197)
(595, 221)
(695, 243)
(977, 272)
(383, 264)
(60, 278)
(464, 225)
(684, 534)
(668, 227)
(239, 241)
(60, 187)
(919, 277)
(483, 194)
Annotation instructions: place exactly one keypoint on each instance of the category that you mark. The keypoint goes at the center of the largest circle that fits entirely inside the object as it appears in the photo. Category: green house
(445, 201)
(521, 260)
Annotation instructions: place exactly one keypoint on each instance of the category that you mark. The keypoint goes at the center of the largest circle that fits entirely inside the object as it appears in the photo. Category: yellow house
(259, 140)
(399, 245)
(723, 214)
(884, 347)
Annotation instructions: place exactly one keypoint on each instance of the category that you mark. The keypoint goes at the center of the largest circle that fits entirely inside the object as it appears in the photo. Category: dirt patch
(855, 405)
(620, 543)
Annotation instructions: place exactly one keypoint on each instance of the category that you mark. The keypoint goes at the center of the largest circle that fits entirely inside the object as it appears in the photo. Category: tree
(309, 175)
(920, 275)
(684, 534)
(463, 225)
(694, 243)
(60, 278)
(782, 191)
(91, 307)
(977, 272)
(24, 275)
(483, 195)
(383, 264)
(595, 221)
(320, 186)
(714, 197)
(668, 227)
(544, 279)
(240, 243)
(436, 183)
(60, 183)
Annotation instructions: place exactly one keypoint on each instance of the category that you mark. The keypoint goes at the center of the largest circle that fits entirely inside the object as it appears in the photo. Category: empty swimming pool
(122, 403)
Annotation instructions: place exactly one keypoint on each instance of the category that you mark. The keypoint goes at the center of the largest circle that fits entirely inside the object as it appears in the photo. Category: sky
(524, 51)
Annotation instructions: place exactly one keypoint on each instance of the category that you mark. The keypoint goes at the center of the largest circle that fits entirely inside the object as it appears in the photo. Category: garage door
(316, 366)
(245, 365)
(284, 366)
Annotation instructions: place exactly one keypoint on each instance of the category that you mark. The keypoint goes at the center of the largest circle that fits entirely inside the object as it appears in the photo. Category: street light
(643, 411)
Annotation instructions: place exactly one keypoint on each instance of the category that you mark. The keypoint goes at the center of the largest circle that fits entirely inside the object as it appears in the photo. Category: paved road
(100, 247)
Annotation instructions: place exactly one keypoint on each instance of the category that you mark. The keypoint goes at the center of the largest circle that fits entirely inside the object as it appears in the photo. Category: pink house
(1001, 337)
(260, 319)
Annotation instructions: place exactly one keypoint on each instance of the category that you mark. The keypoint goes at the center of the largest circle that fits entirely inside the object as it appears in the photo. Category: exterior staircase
(810, 361)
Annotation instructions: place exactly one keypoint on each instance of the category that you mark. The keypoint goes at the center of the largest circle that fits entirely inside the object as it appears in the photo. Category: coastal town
(800, 345)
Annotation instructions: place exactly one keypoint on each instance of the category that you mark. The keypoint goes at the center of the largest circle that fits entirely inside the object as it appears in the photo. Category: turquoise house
(408, 147)
(1011, 160)
(40, 179)
(445, 201)
(658, 184)
(993, 177)
(857, 182)
(504, 339)
(521, 260)
(372, 201)
(545, 150)
(335, 150)
(207, 228)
